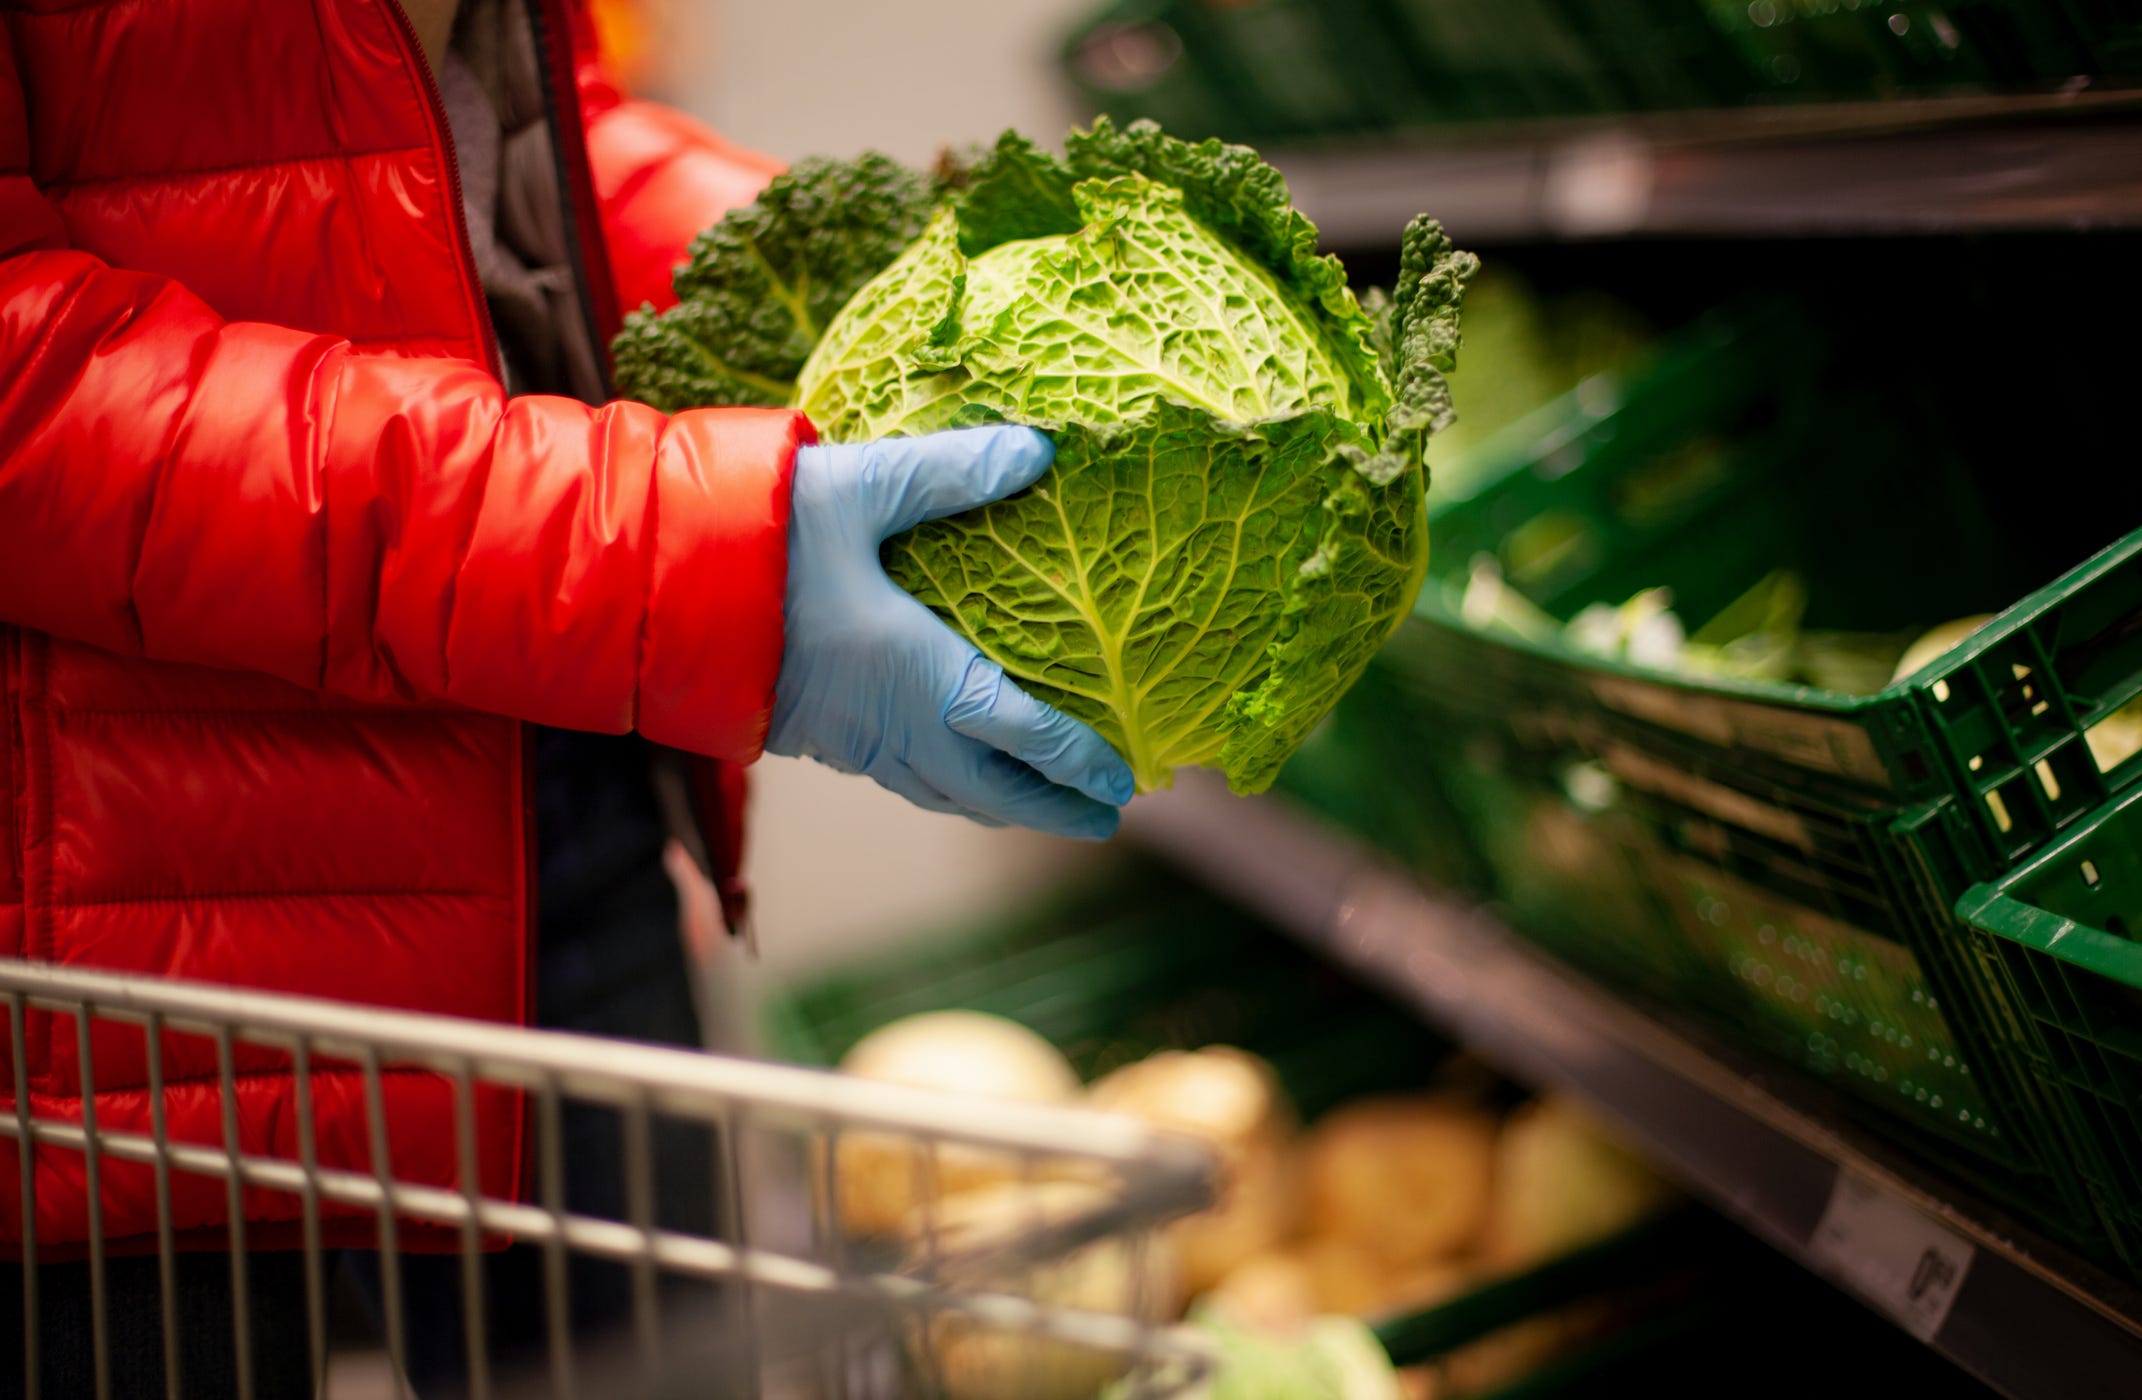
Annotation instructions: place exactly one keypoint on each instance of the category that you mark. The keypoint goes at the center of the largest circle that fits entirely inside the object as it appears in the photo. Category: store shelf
(1772, 1152)
(2063, 160)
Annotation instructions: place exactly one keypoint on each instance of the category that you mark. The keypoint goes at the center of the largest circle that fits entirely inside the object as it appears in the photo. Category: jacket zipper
(14, 773)
(443, 144)
(702, 823)
(576, 182)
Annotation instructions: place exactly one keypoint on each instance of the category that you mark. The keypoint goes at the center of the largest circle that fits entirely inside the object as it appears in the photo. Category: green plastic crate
(1729, 458)
(1314, 68)
(1663, 54)
(2025, 42)
(1501, 59)
(1363, 770)
(2055, 941)
(1291, 70)
(1772, 911)
(1860, 50)
(1151, 59)
(1747, 850)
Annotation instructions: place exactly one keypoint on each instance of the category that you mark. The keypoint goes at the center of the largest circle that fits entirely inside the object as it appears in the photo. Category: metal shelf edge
(2023, 166)
(2023, 1315)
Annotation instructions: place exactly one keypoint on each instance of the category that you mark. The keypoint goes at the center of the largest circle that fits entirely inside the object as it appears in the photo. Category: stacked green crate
(1281, 70)
(1316, 68)
(2056, 943)
(1664, 53)
(1748, 848)
(1150, 59)
(1501, 59)
(1281, 63)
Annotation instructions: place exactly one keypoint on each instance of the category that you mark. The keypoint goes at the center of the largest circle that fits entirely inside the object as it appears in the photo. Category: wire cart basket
(1047, 1279)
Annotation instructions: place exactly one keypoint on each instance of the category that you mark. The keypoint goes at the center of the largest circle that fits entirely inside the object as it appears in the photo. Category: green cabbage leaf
(1234, 521)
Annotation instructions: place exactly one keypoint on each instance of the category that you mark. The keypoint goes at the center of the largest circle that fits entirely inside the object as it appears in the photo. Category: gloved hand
(871, 682)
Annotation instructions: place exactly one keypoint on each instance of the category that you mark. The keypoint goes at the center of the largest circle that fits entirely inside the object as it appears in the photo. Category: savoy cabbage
(1234, 522)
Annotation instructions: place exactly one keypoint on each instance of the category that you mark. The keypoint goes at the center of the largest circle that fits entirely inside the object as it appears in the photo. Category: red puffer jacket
(282, 570)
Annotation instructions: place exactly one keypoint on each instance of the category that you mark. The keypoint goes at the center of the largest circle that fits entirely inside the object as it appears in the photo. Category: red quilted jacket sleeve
(176, 486)
(660, 177)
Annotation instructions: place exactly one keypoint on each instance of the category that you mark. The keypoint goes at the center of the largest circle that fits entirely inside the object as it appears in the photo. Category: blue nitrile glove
(871, 682)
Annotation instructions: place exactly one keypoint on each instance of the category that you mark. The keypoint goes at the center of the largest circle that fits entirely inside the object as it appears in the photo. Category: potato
(1256, 1210)
(1406, 1178)
(1232, 1101)
(1226, 1096)
(883, 1176)
(1560, 1183)
(978, 1362)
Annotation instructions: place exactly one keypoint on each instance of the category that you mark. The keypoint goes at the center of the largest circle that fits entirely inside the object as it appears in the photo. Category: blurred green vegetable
(1756, 637)
(1523, 350)
(1643, 630)
(1490, 604)
(1332, 1358)
(1850, 663)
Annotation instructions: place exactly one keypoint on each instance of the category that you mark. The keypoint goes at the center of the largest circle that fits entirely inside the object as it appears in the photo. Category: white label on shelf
(1597, 185)
(1892, 1254)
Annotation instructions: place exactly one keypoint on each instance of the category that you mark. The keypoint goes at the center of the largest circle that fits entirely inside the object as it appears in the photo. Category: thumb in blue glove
(871, 682)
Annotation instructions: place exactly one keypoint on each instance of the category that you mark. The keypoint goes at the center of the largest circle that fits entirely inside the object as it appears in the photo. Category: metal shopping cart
(1053, 1282)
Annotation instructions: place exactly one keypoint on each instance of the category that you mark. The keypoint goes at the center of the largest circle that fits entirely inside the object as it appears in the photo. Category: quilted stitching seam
(61, 188)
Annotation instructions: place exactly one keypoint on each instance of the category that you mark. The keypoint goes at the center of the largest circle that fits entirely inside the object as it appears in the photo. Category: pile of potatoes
(1384, 1204)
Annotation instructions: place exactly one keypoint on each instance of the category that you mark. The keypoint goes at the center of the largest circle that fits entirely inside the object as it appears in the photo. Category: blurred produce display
(1413, 1181)
(1276, 70)
(1393, 1222)
(1388, 1201)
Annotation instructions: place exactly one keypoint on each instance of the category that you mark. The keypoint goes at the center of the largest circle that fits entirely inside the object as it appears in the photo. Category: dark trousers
(653, 1006)
(134, 1335)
